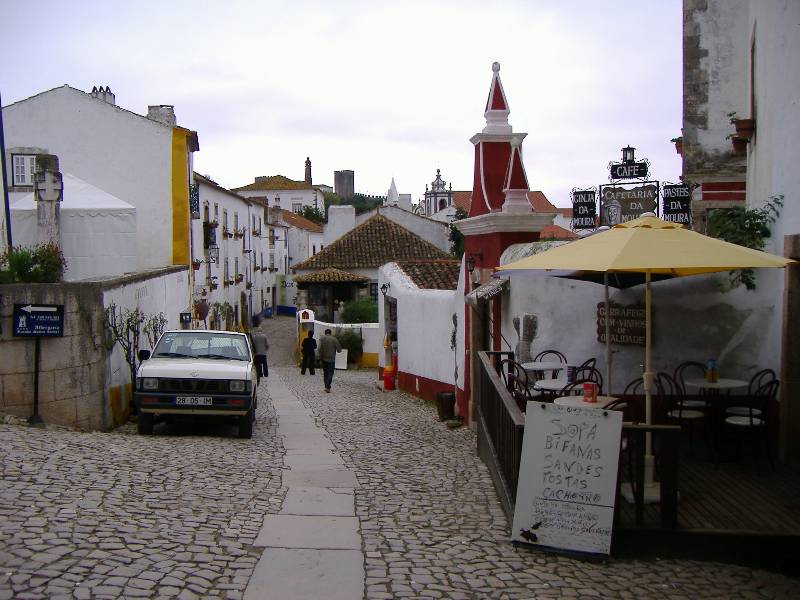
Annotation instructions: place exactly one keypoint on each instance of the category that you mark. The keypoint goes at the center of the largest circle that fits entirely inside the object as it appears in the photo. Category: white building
(742, 62)
(144, 161)
(234, 261)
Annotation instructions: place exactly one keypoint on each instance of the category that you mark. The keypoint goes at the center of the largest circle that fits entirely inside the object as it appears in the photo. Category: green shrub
(352, 342)
(363, 310)
(44, 263)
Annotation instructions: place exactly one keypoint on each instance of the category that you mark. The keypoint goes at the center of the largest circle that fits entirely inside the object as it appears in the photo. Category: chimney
(162, 113)
(48, 188)
(103, 93)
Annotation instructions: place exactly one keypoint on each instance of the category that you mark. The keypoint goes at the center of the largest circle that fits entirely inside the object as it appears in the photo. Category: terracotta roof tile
(538, 201)
(295, 220)
(274, 182)
(432, 274)
(375, 242)
(556, 232)
(331, 275)
(565, 211)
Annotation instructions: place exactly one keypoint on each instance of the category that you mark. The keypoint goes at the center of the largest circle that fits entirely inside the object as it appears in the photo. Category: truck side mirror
(143, 354)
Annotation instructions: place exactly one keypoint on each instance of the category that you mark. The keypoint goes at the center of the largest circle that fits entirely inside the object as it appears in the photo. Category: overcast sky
(386, 89)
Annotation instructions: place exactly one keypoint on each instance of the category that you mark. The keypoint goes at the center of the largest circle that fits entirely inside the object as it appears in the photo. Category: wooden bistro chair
(754, 424)
(516, 381)
(675, 408)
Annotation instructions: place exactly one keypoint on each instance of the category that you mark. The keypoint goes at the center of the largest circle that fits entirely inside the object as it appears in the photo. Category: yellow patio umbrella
(650, 247)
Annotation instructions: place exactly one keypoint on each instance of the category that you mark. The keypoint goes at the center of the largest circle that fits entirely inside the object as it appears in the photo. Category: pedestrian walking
(260, 347)
(328, 347)
(307, 348)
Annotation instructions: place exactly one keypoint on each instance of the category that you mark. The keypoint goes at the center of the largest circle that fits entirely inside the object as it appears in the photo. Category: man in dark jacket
(260, 347)
(307, 352)
(328, 347)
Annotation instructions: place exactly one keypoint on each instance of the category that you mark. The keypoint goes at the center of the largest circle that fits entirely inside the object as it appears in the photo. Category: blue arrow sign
(38, 320)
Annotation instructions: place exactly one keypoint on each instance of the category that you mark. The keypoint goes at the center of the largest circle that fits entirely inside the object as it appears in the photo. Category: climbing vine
(745, 227)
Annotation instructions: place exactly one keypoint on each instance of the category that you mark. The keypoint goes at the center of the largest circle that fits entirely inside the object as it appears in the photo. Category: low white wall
(167, 293)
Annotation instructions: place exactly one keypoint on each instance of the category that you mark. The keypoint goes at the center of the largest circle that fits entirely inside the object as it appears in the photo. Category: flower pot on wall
(744, 128)
(739, 146)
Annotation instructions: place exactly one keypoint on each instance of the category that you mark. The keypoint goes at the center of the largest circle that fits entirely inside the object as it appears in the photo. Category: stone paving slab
(320, 532)
(318, 501)
(301, 574)
(325, 477)
(294, 460)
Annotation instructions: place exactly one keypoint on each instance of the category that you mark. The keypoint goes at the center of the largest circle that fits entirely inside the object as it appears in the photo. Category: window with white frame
(297, 207)
(236, 221)
(271, 261)
(226, 271)
(24, 166)
(225, 219)
(236, 266)
(216, 212)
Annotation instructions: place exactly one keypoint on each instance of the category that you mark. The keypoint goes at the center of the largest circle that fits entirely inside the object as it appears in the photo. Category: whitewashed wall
(165, 293)
(123, 153)
(692, 320)
(424, 327)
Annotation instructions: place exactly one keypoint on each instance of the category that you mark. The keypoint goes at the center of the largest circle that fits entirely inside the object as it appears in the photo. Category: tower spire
(308, 171)
(497, 110)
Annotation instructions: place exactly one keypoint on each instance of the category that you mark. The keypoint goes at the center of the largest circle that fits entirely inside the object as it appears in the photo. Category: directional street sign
(38, 320)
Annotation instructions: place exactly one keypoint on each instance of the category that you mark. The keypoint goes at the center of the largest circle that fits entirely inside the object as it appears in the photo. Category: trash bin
(268, 312)
(445, 405)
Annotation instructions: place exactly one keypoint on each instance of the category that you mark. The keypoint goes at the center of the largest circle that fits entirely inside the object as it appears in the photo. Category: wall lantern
(385, 288)
(627, 154)
(470, 260)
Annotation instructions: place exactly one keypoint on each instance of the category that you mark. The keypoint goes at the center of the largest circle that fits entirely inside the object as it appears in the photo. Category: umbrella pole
(651, 488)
(608, 336)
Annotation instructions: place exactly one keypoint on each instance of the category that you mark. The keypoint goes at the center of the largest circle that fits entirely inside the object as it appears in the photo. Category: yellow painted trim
(368, 360)
(180, 199)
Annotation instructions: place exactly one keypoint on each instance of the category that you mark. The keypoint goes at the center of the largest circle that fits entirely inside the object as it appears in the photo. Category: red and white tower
(500, 214)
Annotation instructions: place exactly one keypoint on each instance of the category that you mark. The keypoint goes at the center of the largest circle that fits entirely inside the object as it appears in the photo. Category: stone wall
(83, 380)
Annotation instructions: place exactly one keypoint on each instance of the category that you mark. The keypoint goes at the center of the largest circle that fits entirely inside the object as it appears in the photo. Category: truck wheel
(145, 423)
(246, 424)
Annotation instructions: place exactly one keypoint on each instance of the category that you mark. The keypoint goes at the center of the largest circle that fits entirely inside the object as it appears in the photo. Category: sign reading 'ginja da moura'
(584, 209)
(677, 204)
(633, 170)
(627, 324)
(621, 204)
(568, 478)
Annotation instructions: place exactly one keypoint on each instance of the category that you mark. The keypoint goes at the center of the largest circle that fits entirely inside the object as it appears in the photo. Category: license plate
(194, 400)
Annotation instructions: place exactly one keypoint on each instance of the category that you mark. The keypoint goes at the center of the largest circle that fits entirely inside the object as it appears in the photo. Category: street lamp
(627, 154)
(385, 288)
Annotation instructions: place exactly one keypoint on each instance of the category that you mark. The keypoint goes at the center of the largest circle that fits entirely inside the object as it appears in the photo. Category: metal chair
(754, 423)
(683, 372)
(675, 408)
(550, 355)
(757, 381)
(516, 381)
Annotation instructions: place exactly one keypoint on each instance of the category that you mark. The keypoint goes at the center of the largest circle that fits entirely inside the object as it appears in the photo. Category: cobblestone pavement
(118, 515)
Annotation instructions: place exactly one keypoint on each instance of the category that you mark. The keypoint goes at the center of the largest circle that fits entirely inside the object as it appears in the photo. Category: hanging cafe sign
(622, 201)
(584, 209)
(677, 204)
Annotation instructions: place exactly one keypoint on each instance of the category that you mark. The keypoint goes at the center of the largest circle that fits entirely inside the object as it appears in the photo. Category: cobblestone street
(118, 515)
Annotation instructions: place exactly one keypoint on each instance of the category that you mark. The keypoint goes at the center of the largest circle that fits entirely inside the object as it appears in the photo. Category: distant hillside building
(438, 198)
(344, 183)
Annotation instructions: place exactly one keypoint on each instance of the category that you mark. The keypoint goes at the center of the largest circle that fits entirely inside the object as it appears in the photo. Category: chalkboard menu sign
(568, 478)
(627, 323)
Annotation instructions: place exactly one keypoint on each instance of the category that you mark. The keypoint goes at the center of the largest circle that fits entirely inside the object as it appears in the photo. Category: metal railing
(501, 426)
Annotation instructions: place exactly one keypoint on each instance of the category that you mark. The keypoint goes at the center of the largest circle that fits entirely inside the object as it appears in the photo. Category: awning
(487, 291)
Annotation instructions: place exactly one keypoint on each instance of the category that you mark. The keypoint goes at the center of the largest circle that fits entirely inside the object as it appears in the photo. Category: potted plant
(744, 127)
(678, 141)
(239, 278)
(248, 285)
(739, 145)
(196, 264)
(212, 224)
(213, 286)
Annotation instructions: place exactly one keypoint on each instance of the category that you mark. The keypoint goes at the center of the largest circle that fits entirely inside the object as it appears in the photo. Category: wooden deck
(731, 498)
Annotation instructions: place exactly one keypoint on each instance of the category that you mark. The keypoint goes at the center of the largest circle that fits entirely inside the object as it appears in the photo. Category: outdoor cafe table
(551, 385)
(578, 401)
(546, 365)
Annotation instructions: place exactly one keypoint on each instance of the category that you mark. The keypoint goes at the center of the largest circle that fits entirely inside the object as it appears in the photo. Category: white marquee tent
(98, 230)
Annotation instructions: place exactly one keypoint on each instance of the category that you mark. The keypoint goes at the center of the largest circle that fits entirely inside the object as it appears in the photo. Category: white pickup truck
(197, 372)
